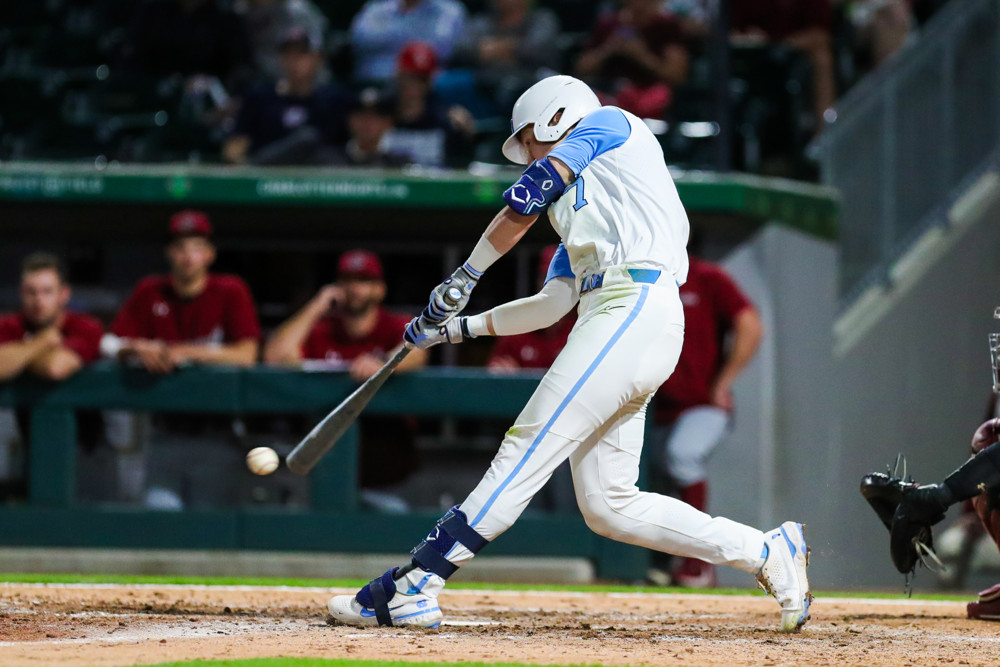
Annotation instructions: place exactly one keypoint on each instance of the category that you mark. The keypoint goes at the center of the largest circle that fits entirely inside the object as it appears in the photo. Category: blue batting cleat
(411, 600)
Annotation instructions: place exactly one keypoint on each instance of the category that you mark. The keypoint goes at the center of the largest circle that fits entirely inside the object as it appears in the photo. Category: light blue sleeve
(599, 132)
(559, 266)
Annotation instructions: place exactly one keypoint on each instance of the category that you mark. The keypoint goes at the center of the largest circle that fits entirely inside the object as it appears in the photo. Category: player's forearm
(15, 357)
(747, 333)
(56, 364)
(284, 346)
(241, 353)
(506, 229)
(532, 313)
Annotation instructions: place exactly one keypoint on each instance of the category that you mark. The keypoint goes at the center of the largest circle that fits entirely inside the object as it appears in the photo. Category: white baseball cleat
(409, 603)
(783, 574)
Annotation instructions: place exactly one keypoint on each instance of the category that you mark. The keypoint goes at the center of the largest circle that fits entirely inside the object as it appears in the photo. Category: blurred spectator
(508, 45)
(295, 121)
(383, 27)
(535, 349)
(369, 122)
(47, 340)
(799, 24)
(346, 326)
(345, 323)
(424, 131)
(189, 316)
(635, 56)
(693, 407)
(695, 16)
(268, 23)
(882, 27)
(44, 338)
(187, 37)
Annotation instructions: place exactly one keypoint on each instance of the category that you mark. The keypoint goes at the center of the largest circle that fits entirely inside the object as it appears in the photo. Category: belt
(595, 280)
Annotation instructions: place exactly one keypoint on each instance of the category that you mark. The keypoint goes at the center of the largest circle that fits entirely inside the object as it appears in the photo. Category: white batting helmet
(540, 104)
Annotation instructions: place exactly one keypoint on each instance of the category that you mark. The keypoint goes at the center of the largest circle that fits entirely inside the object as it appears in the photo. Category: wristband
(483, 256)
(476, 324)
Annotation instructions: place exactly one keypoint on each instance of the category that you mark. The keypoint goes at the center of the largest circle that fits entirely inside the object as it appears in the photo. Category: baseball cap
(303, 37)
(417, 58)
(190, 223)
(360, 264)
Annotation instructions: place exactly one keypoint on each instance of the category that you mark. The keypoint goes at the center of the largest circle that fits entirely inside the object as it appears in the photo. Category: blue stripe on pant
(566, 401)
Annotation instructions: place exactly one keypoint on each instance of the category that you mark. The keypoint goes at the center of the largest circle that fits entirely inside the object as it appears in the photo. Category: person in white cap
(600, 175)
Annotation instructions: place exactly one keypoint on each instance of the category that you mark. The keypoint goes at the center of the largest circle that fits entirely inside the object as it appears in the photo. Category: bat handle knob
(453, 296)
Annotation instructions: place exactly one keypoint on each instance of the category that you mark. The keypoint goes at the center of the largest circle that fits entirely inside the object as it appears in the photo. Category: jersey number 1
(580, 201)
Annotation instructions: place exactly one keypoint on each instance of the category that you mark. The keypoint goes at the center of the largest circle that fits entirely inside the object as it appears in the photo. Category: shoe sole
(333, 621)
(411, 620)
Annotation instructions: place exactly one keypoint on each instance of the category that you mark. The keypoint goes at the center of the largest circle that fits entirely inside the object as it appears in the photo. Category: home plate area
(50, 624)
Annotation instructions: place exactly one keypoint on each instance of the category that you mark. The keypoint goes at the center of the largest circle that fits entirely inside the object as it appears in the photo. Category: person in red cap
(425, 131)
(535, 349)
(46, 339)
(188, 315)
(346, 326)
(345, 323)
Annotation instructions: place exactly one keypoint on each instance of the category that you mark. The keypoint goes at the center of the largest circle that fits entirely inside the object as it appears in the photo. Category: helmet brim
(513, 149)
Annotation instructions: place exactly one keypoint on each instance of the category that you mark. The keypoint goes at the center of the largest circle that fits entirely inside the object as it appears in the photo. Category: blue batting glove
(442, 307)
(422, 334)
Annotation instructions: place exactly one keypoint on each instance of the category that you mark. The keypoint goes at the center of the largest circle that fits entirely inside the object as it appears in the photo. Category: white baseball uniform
(621, 218)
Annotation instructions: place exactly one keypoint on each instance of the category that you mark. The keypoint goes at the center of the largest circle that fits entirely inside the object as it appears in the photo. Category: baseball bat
(328, 431)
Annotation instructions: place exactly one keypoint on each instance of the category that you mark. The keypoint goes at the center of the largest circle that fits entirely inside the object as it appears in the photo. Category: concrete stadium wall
(773, 465)
(917, 381)
(905, 370)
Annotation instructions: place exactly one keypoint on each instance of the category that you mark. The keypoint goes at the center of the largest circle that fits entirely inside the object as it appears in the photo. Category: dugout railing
(334, 523)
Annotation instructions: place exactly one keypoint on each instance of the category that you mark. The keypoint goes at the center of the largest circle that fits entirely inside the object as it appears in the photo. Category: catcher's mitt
(908, 510)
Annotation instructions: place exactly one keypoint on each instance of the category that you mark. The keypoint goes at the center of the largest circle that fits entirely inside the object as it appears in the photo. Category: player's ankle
(419, 580)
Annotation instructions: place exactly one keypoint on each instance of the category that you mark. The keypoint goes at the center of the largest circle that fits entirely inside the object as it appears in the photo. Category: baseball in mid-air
(262, 460)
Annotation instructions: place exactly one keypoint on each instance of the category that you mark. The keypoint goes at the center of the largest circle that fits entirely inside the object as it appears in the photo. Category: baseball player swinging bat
(327, 432)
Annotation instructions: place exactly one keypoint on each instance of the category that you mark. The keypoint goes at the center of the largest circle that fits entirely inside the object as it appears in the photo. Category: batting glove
(441, 307)
(422, 335)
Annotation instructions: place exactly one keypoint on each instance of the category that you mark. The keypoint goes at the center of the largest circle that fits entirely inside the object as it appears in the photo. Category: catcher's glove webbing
(908, 510)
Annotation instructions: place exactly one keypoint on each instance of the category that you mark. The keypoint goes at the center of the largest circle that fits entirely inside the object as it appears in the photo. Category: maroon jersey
(781, 18)
(711, 303)
(536, 349)
(81, 333)
(329, 341)
(222, 313)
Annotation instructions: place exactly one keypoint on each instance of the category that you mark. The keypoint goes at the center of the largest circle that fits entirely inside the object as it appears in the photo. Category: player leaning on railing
(600, 174)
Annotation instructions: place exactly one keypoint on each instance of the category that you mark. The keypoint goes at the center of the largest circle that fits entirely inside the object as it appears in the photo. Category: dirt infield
(126, 625)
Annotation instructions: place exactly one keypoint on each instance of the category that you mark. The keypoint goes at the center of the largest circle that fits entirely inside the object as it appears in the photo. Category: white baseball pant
(590, 407)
